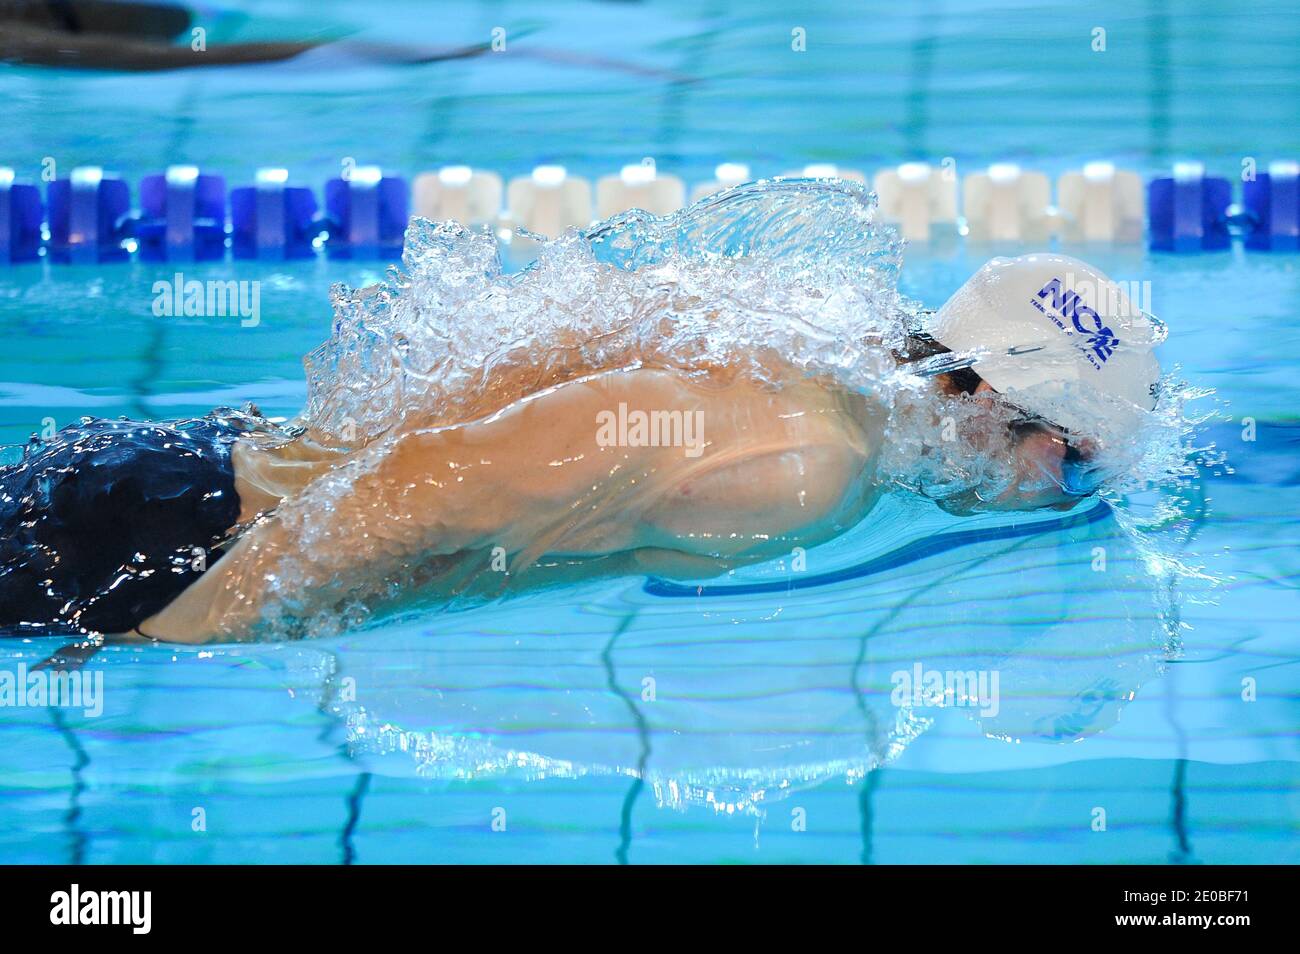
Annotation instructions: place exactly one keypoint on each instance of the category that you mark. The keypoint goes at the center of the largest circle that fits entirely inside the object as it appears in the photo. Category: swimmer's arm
(535, 478)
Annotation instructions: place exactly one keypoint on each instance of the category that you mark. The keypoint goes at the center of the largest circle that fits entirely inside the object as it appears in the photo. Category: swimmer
(110, 526)
(141, 36)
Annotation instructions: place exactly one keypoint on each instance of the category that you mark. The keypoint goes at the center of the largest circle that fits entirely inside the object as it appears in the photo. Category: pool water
(747, 719)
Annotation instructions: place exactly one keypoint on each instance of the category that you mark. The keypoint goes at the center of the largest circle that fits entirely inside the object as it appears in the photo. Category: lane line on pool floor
(643, 736)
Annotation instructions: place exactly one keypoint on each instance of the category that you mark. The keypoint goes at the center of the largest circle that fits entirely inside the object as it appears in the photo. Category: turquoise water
(761, 735)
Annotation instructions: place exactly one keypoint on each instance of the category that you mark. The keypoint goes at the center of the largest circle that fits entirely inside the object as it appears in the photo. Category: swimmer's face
(1051, 469)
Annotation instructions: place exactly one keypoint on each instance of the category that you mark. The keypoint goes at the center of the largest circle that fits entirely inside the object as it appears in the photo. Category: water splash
(778, 279)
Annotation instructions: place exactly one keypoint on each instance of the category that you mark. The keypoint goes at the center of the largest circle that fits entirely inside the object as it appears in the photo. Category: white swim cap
(1059, 339)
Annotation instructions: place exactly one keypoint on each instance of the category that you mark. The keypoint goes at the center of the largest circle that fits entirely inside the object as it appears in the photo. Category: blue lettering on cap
(1101, 340)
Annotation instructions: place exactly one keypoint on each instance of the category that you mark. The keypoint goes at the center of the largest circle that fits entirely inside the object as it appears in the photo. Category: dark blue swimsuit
(106, 523)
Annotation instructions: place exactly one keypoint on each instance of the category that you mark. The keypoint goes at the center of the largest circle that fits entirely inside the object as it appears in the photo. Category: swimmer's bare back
(561, 472)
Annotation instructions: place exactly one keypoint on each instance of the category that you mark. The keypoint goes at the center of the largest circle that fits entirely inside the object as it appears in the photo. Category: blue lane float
(1272, 202)
(89, 217)
(273, 220)
(182, 216)
(21, 214)
(1188, 211)
(367, 214)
